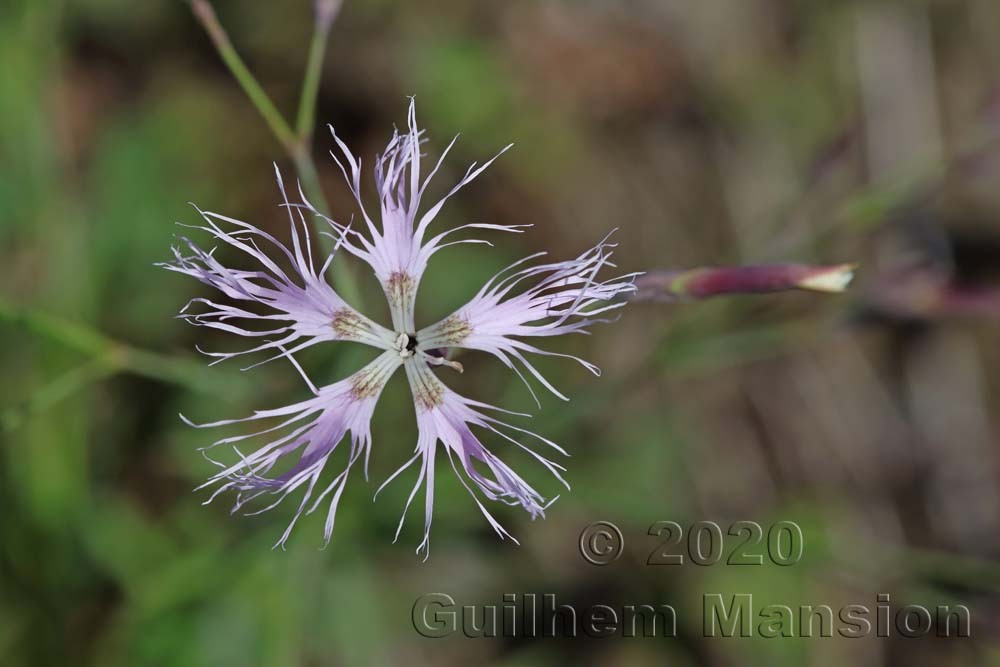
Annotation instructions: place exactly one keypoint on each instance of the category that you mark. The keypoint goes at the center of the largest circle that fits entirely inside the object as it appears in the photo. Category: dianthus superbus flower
(285, 304)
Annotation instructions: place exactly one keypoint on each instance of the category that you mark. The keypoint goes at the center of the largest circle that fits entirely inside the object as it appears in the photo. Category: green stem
(310, 84)
(115, 356)
(205, 14)
(306, 169)
(343, 277)
(296, 144)
(326, 12)
(54, 392)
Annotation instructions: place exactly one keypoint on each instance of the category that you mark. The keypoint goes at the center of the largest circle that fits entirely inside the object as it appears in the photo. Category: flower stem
(54, 392)
(205, 14)
(114, 356)
(343, 277)
(326, 12)
(297, 142)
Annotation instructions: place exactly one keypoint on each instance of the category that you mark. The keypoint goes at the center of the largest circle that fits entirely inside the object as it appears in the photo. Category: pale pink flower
(302, 309)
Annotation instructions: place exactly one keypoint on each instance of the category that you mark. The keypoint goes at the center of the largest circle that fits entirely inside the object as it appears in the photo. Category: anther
(406, 345)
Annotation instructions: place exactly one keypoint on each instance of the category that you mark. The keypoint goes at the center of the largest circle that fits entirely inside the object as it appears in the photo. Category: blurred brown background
(709, 132)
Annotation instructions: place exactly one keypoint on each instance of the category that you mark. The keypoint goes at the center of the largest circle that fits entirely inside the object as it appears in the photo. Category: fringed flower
(299, 306)
(299, 309)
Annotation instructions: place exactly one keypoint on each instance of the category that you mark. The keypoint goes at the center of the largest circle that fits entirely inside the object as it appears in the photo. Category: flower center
(406, 345)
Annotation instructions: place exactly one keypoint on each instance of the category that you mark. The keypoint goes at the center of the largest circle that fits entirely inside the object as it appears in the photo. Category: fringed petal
(396, 248)
(564, 297)
(313, 431)
(446, 417)
(297, 304)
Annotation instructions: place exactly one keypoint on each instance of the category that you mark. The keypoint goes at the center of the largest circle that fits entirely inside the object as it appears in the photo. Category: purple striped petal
(446, 417)
(311, 431)
(563, 297)
(288, 308)
(397, 248)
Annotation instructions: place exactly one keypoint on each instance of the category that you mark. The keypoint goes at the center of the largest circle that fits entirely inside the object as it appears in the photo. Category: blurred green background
(710, 132)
